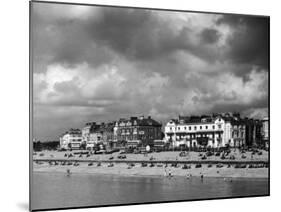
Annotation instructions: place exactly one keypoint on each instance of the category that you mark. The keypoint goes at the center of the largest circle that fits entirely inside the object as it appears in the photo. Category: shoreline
(150, 176)
(124, 170)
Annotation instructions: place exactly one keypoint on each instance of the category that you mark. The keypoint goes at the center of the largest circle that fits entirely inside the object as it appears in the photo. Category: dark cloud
(210, 36)
(141, 35)
(102, 63)
(249, 43)
(135, 34)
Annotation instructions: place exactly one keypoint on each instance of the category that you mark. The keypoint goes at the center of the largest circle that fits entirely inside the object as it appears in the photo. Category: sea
(57, 190)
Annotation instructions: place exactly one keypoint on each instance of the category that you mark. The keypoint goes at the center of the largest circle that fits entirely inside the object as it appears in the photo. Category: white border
(14, 103)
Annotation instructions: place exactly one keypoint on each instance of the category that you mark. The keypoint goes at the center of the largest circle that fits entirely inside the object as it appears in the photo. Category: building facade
(253, 132)
(265, 131)
(72, 139)
(136, 131)
(201, 131)
(97, 133)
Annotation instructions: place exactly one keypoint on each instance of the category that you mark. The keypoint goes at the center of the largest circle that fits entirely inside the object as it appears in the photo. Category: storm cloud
(102, 63)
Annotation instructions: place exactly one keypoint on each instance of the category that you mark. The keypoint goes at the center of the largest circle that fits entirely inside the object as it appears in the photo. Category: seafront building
(97, 134)
(216, 130)
(72, 139)
(136, 131)
(265, 131)
(198, 131)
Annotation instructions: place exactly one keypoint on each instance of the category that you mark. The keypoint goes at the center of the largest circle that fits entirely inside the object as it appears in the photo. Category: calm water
(56, 190)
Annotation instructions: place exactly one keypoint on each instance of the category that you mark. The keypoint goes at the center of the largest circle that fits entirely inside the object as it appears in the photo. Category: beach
(170, 155)
(105, 179)
(110, 164)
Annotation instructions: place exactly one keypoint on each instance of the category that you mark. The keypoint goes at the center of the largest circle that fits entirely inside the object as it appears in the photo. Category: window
(189, 128)
(179, 128)
(171, 128)
(213, 127)
(195, 127)
(206, 127)
(184, 128)
(200, 127)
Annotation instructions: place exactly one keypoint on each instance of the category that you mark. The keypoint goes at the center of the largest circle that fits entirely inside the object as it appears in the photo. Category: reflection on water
(56, 190)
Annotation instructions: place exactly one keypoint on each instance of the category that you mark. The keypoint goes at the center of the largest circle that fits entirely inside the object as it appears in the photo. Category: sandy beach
(137, 170)
(167, 156)
(159, 169)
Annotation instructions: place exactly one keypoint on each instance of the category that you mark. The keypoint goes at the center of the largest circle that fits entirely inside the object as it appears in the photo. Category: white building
(71, 139)
(209, 131)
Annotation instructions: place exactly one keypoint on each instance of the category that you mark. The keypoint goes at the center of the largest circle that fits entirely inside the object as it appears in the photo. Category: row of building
(216, 130)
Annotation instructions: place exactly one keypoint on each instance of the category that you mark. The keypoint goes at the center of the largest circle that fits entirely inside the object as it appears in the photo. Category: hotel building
(136, 131)
(97, 133)
(214, 131)
(71, 139)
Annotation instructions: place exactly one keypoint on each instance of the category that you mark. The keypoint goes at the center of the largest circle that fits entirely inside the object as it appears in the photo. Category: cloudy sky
(101, 64)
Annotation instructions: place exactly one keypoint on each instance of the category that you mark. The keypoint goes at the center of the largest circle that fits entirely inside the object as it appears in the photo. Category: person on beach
(68, 172)
(170, 173)
(202, 176)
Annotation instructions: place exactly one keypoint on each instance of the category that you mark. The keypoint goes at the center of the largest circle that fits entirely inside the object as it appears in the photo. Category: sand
(157, 156)
(138, 170)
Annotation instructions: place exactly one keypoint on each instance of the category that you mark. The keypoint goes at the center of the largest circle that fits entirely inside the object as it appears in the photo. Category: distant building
(253, 132)
(217, 130)
(194, 132)
(107, 132)
(97, 133)
(238, 133)
(136, 131)
(71, 139)
(265, 131)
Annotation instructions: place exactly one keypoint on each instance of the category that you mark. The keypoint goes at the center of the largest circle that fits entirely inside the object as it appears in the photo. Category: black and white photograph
(142, 105)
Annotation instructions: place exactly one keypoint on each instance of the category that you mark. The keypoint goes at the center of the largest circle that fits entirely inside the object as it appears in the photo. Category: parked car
(143, 164)
(198, 165)
(122, 157)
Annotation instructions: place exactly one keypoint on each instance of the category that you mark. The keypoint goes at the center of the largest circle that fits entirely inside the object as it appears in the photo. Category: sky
(102, 63)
